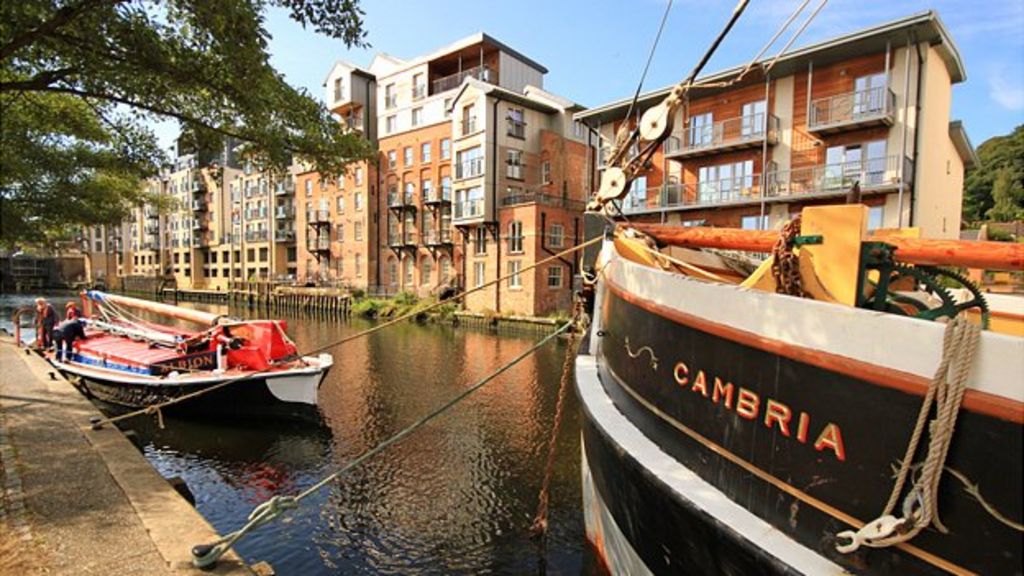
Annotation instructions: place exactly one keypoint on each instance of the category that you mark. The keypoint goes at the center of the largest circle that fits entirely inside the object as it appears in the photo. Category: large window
(469, 202)
(515, 237)
(701, 130)
(469, 163)
(869, 94)
(864, 163)
(514, 280)
(753, 121)
(725, 182)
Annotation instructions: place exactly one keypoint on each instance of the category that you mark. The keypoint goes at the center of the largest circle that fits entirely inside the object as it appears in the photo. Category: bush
(367, 308)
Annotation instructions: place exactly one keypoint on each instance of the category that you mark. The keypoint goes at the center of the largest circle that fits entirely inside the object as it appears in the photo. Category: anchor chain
(786, 264)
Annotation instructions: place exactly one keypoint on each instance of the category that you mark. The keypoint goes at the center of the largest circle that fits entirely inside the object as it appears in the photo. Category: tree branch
(39, 81)
(60, 18)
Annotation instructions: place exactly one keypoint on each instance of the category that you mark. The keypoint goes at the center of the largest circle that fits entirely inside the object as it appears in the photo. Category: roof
(477, 38)
(503, 94)
(350, 67)
(963, 144)
(922, 27)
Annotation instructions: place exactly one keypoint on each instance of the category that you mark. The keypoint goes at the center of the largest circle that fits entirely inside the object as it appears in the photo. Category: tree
(1008, 198)
(127, 61)
(998, 154)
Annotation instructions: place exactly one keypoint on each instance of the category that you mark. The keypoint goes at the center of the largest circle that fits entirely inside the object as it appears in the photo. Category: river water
(456, 497)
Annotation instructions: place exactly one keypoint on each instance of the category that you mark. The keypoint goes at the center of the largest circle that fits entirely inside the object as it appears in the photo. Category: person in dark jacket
(66, 334)
(46, 319)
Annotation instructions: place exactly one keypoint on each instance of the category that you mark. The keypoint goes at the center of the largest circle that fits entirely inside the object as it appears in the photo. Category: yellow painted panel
(837, 258)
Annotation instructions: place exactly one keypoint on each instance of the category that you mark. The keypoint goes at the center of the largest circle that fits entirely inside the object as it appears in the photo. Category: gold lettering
(681, 373)
(801, 427)
(831, 437)
(748, 404)
(700, 384)
(721, 390)
(777, 412)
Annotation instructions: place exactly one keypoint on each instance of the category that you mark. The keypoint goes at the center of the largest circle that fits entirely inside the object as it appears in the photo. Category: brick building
(870, 107)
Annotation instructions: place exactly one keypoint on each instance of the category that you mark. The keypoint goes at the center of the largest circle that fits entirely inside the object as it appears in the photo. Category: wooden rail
(957, 253)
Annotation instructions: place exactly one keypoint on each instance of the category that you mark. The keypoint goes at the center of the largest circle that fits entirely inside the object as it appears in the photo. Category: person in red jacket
(46, 320)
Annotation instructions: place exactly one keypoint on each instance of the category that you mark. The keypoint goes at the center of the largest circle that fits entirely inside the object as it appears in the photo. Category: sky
(595, 50)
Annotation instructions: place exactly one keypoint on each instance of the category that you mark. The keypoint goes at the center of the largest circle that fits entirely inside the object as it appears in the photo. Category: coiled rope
(920, 506)
(96, 425)
(206, 555)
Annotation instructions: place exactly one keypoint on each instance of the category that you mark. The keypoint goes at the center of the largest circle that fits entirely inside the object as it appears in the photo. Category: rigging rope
(650, 57)
(920, 506)
(206, 555)
(149, 409)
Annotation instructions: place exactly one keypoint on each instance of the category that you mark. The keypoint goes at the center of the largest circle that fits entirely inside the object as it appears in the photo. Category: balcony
(395, 240)
(199, 225)
(482, 73)
(152, 215)
(318, 217)
(255, 213)
(852, 110)
(739, 133)
(469, 126)
(152, 229)
(469, 209)
(470, 168)
(873, 174)
(409, 200)
(434, 238)
(256, 235)
(438, 196)
(394, 199)
(409, 239)
(284, 213)
(284, 235)
(539, 197)
(284, 188)
(200, 206)
(318, 243)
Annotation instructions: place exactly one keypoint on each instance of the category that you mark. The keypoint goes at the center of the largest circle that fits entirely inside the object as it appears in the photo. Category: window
(417, 116)
(556, 236)
(428, 189)
(309, 188)
(359, 176)
(341, 204)
(410, 193)
(425, 152)
(545, 172)
(390, 98)
(701, 130)
(468, 120)
(426, 269)
(516, 123)
(578, 130)
(469, 163)
(323, 183)
(392, 159)
(446, 149)
(864, 163)
(514, 280)
(480, 244)
(393, 271)
(407, 156)
(339, 91)
(339, 230)
(357, 199)
(359, 265)
(419, 89)
(341, 266)
(446, 187)
(447, 107)
(445, 267)
(479, 272)
(514, 164)
(359, 231)
(515, 237)
(469, 202)
(391, 124)
(754, 222)
(407, 268)
(555, 276)
(876, 215)
(869, 94)
(726, 182)
(753, 121)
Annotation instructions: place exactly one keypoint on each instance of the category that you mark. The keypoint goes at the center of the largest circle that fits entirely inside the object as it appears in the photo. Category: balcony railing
(284, 235)
(318, 216)
(318, 243)
(469, 209)
(284, 188)
(437, 238)
(394, 239)
(200, 206)
(455, 80)
(409, 199)
(468, 125)
(732, 134)
(409, 237)
(470, 168)
(539, 197)
(853, 109)
(199, 225)
(442, 195)
(872, 174)
(284, 212)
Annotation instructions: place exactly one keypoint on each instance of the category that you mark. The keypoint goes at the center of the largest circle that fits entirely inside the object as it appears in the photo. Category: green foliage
(1002, 155)
(367, 307)
(106, 67)
(1007, 197)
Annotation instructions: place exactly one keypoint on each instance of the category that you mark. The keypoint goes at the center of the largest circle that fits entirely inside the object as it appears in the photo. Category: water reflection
(456, 497)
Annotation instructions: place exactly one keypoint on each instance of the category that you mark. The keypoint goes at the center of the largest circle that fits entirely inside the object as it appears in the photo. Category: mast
(196, 316)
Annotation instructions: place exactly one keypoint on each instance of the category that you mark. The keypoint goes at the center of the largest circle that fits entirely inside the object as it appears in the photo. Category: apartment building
(481, 173)
(872, 108)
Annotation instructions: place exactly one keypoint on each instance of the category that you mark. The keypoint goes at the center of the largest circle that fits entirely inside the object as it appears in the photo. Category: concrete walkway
(78, 501)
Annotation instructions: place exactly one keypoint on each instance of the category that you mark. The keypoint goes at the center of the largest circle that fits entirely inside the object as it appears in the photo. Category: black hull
(240, 400)
(806, 490)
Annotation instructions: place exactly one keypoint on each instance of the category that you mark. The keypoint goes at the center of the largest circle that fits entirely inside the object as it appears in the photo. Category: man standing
(46, 319)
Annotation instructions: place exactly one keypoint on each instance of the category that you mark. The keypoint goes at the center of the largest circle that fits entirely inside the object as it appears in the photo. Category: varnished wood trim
(974, 400)
(778, 483)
